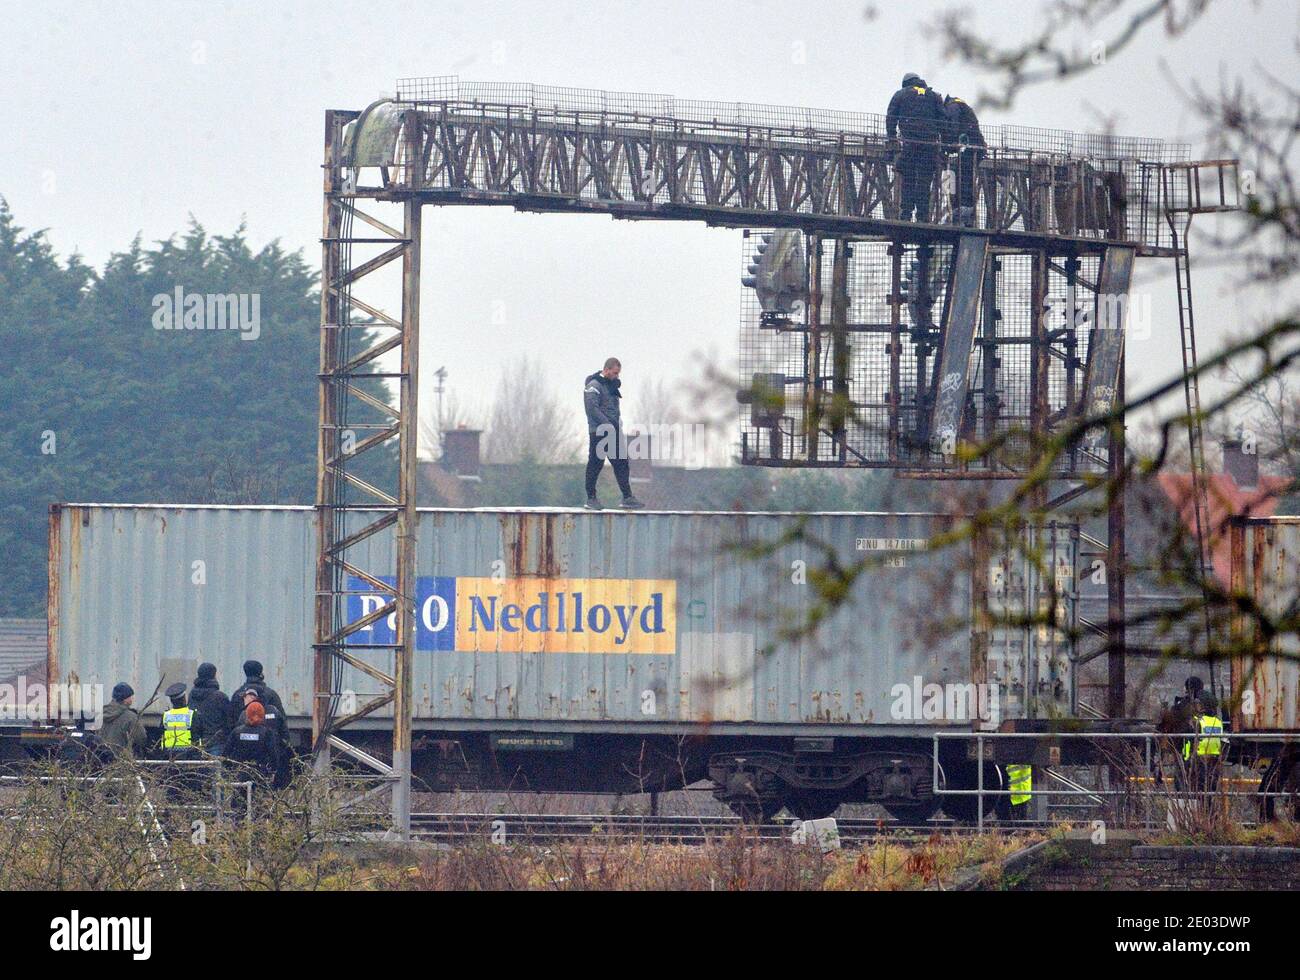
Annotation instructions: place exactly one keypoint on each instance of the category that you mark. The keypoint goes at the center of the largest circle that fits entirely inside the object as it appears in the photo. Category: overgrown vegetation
(132, 827)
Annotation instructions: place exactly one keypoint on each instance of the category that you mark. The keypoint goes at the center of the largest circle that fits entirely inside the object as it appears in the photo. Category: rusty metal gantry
(1080, 208)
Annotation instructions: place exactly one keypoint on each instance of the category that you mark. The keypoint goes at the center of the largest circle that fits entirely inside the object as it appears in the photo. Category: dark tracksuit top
(915, 113)
(256, 746)
(966, 140)
(275, 713)
(211, 715)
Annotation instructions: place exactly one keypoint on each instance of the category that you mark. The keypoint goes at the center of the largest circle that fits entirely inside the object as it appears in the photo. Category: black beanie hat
(121, 691)
(252, 668)
(207, 671)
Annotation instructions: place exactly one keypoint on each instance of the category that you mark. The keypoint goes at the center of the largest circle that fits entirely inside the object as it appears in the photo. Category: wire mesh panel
(1035, 315)
(450, 88)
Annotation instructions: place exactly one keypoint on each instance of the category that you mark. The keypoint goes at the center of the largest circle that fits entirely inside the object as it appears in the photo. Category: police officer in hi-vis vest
(1203, 752)
(178, 724)
(178, 742)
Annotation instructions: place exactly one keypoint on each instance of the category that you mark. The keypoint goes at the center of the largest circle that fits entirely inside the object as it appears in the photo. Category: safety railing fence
(1145, 781)
(228, 796)
(648, 106)
(162, 791)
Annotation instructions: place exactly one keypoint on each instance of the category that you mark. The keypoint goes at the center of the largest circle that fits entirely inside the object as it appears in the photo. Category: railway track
(546, 828)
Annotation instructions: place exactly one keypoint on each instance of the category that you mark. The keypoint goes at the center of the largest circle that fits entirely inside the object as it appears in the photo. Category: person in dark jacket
(600, 397)
(253, 749)
(211, 709)
(253, 680)
(122, 731)
(966, 143)
(915, 121)
(274, 721)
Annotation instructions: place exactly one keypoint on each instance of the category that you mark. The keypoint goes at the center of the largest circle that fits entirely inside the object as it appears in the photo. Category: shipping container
(1265, 563)
(792, 659)
(547, 618)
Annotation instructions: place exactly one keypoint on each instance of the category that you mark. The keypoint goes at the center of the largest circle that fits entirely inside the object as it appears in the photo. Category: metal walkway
(646, 156)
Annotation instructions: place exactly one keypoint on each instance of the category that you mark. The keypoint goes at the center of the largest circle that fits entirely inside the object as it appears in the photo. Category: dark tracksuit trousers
(965, 164)
(918, 163)
(598, 450)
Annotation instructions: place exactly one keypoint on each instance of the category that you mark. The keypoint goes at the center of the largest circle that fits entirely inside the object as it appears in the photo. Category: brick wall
(1079, 865)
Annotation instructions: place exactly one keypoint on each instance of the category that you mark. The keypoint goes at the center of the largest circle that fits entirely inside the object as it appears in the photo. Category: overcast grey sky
(125, 118)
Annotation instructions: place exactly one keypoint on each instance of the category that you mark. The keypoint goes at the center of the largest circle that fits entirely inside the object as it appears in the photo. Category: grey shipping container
(536, 619)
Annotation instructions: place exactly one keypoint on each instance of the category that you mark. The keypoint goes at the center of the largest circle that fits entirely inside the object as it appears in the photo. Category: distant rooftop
(651, 108)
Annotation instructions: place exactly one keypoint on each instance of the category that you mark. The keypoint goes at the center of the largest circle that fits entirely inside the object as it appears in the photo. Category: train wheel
(811, 805)
(913, 813)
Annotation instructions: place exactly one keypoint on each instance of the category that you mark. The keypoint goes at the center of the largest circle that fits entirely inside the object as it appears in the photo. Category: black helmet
(912, 78)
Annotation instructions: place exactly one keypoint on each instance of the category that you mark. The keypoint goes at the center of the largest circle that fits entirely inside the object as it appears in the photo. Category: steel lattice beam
(351, 509)
(745, 176)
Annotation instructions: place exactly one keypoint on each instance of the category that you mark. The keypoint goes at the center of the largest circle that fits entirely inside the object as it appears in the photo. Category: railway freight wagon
(1264, 697)
(561, 650)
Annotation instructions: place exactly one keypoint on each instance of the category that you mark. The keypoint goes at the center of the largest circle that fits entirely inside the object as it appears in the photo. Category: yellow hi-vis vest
(176, 728)
(1021, 779)
(1209, 741)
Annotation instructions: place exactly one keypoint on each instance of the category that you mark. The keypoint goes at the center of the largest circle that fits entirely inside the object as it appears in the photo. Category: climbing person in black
(600, 396)
(965, 142)
(915, 124)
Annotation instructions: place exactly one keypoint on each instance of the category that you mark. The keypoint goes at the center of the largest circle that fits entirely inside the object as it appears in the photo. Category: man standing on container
(600, 396)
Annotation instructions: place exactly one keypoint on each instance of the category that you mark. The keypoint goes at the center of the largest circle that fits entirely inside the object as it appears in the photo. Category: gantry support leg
(406, 523)
(358, 381)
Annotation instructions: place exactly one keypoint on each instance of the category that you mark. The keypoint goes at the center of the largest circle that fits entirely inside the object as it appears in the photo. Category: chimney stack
(1242, 466)
(460, 452)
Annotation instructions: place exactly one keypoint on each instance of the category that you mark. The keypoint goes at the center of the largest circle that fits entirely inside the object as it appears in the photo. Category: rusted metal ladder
(1183, 197)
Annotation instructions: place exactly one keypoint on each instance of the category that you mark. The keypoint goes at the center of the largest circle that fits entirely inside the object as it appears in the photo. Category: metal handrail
(1147, 740)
